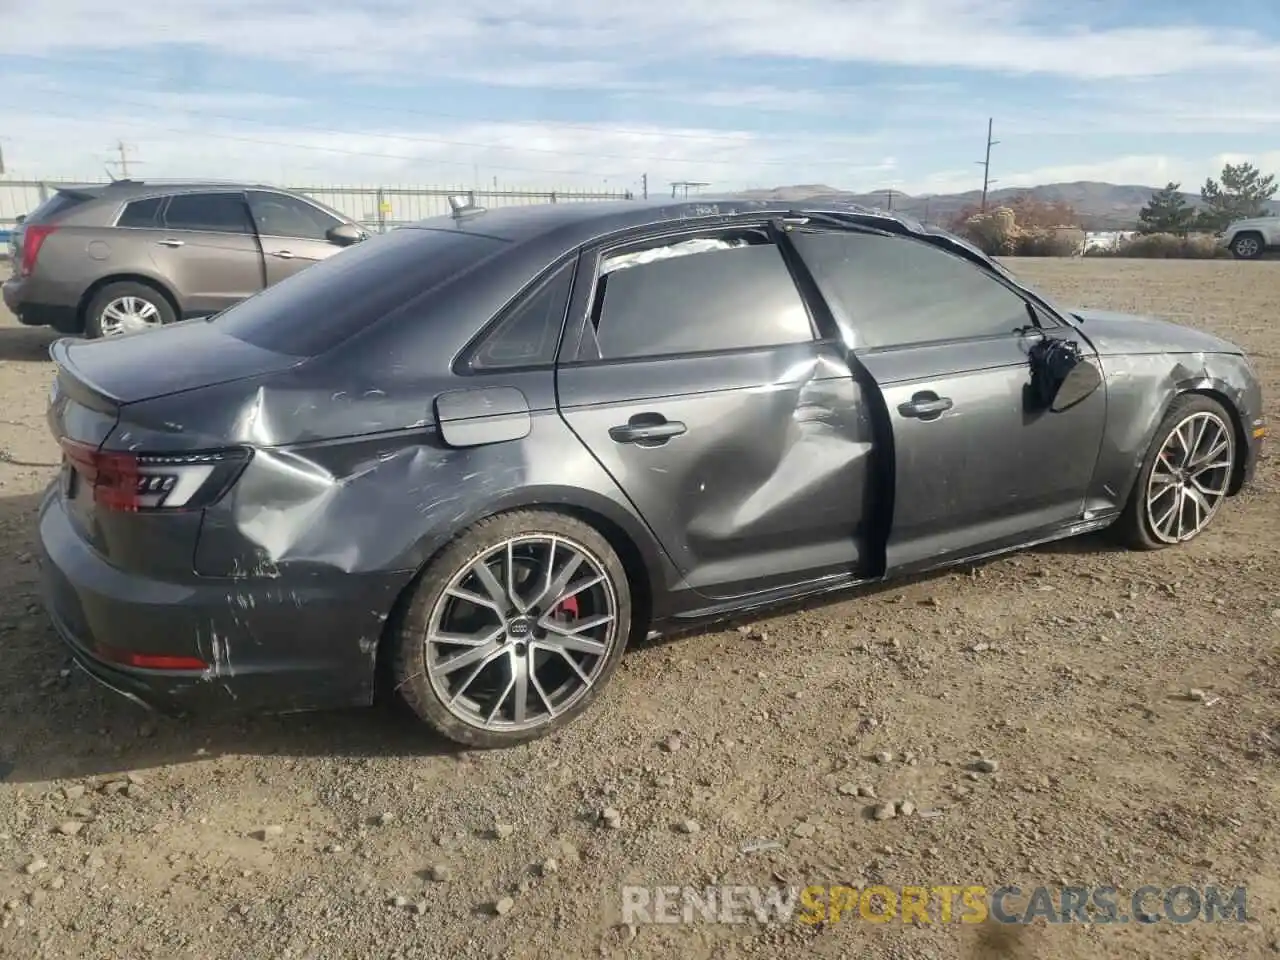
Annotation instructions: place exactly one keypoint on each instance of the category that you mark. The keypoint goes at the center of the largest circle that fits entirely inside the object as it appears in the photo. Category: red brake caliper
(568, 607)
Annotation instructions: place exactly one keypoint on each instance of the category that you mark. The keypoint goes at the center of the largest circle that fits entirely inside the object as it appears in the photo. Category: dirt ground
(345, 836)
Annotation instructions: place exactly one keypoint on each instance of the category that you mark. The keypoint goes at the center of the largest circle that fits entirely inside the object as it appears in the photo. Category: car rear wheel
(1184, 478)
(1247, 246)
(513, 630)
(126, 307)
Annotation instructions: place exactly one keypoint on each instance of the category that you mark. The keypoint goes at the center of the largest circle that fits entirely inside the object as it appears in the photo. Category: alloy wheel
(1247, 247)
(129, 315)
(1190, 478)
(521, 633)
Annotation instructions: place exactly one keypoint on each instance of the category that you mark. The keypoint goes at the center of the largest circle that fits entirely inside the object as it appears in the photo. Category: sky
(563, 94)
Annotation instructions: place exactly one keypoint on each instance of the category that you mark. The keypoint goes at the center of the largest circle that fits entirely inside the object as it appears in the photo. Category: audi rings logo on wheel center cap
(520, 628)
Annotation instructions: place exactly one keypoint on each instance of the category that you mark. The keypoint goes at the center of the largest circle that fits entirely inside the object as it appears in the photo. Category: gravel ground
(327, 836)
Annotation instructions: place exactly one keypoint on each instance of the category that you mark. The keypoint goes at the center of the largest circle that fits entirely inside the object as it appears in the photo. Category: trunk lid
(157, 363)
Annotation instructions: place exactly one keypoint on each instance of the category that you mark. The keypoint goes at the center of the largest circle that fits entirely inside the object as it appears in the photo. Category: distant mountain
(1100, 206)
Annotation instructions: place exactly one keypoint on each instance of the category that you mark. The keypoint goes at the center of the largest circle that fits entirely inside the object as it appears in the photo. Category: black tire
(408, 655)
(1247, 246)
(1134, 528)
(93, 315)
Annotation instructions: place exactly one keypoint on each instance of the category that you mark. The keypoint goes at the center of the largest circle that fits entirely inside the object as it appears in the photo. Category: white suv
(1250, 239)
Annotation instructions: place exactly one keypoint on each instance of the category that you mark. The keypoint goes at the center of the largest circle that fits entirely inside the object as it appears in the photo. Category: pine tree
(1166, 212)
(1244, 192)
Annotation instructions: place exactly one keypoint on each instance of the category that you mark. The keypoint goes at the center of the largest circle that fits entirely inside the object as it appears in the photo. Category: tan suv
(108, 259)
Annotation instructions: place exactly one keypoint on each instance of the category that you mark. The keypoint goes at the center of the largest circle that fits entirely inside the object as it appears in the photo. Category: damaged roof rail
(857, 216)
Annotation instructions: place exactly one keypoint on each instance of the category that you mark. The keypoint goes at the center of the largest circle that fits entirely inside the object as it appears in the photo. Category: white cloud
(175, 144)
(587, 42)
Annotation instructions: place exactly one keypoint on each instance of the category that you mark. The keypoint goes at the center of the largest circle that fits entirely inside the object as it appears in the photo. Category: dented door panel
(766, 486)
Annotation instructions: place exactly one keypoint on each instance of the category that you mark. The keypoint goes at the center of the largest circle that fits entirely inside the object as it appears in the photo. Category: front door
(208, 251)
(736, 431)
(977, 465)
(292, 233)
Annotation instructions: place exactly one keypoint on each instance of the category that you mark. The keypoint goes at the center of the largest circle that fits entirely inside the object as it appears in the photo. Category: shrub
(1049, 242)
(1169, 246)
(994, 232)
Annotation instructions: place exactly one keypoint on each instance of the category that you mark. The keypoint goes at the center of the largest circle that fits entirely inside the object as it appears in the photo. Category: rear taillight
(33, 238)
(122, 480)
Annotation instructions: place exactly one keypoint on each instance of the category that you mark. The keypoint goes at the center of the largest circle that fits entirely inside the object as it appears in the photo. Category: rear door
(701, 383)
(208, 251)
(292, 233)
(977, 466)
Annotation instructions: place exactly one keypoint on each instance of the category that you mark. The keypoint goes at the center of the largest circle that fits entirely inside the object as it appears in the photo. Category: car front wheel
(513, 630)
(1185, 476)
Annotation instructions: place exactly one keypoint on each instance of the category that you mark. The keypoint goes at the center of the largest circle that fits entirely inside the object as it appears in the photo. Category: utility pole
(985, 162)
(123, 162)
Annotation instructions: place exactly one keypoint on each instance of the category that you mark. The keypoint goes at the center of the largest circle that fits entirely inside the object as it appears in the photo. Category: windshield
(315, 310)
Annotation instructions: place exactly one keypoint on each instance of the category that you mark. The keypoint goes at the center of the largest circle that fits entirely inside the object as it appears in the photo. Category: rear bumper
(64, 319)
(269, 646)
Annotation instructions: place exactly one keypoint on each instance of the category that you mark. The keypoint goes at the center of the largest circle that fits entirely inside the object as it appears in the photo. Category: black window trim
(1048, 318)
(342, 219)
(593, 257)
(463, 363)
(239, 192)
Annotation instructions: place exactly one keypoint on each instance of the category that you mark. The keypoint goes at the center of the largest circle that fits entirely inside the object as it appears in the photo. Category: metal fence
(379, 208)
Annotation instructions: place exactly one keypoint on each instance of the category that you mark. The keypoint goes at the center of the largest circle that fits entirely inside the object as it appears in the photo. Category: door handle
(925, 406)
(647, 430)
(282, 254)
(170, 242)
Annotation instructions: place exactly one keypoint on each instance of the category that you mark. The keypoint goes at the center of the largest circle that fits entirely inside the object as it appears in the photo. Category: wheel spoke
(497, 595)
(520, 688)
(474, 598)
(1220, 447)
(555, 593)
(481, 654)
(465, 639)
(567, 641)
(1163, 523)
(564, 654)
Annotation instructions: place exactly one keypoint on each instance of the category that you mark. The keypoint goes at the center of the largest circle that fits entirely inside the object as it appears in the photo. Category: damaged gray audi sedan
(467, 462)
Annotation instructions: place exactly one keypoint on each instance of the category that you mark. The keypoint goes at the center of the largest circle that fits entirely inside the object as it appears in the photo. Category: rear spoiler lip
(75, 384)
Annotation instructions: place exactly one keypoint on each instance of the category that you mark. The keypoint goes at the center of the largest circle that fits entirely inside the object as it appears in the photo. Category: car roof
(575, 223)
(125, 189)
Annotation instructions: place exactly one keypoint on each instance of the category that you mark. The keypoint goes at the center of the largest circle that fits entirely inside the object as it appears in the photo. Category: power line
(471, 118)
(323, 149)
(742, 140)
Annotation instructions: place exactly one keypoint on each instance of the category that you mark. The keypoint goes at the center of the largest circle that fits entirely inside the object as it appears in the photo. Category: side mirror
(20, 219)
(344, 234)
(1082, 380)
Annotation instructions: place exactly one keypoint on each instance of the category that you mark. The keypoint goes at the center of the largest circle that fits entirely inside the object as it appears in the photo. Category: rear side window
(732, 298)
(528, 335)
(212, 212)
(319, 307)
(897, 291)
(141, 213)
